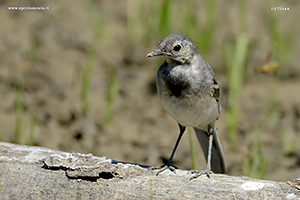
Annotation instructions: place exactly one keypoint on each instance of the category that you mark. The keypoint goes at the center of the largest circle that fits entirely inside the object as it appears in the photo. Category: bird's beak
(157, 52)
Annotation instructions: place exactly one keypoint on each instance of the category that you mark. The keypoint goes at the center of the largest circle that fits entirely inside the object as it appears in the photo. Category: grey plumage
(217, 160)
(189, 92)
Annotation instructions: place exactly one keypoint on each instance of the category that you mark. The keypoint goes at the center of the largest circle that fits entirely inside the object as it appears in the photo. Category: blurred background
(76, 78)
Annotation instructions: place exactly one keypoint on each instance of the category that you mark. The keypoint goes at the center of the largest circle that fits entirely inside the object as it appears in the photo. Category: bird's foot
(198, 173)
(164, 167)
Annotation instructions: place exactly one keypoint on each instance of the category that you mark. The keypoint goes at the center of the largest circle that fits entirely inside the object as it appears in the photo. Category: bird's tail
(217, 157)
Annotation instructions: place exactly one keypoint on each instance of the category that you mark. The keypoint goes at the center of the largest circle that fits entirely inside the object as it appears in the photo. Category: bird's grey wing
(217, 160)
(217, 157)
(209, 80)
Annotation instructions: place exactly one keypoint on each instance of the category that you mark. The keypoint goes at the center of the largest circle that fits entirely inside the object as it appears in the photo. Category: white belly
(191, 111)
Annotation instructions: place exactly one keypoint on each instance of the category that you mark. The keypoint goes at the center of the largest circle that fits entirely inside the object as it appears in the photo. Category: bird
(189, 92)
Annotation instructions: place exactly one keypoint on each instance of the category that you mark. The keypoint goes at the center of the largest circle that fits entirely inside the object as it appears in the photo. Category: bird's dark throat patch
(176, 84)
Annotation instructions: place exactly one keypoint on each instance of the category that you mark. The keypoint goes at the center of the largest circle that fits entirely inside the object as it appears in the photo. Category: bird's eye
(177, 47)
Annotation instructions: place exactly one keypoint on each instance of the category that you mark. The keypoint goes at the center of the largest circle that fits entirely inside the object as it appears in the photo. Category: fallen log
(41, 173)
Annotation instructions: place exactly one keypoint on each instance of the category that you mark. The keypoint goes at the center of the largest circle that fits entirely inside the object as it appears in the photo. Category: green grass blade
(236, 64)
(18, 113)
(164, 19)
(150, 190)
(86, 77)
(111, 94)
(32, 130)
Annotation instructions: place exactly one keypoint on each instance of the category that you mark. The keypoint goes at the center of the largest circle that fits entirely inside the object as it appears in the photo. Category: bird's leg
(208, 165)
(169, 164)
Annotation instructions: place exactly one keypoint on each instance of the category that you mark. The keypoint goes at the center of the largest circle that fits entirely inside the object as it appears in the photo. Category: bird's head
(176, 47)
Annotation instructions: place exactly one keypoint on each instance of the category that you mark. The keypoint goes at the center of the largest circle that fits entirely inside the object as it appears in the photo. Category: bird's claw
(162, 168)
(199, 173)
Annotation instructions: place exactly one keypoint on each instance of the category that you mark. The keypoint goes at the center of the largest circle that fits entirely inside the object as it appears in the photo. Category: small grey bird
(189, 92)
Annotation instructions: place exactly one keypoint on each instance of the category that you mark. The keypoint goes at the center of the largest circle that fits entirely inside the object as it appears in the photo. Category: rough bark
(40, 173)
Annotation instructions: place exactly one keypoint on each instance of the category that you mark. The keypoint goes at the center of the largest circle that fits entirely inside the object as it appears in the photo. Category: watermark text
(28, 8)
(280, 9)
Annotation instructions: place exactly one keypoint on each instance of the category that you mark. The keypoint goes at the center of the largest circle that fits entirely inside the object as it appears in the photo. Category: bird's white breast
(188, 110)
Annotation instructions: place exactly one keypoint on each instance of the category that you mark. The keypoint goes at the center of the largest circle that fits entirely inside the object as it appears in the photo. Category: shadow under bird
(189, 92)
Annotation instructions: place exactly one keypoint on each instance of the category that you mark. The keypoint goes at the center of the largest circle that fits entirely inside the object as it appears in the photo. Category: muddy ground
(43, 56)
